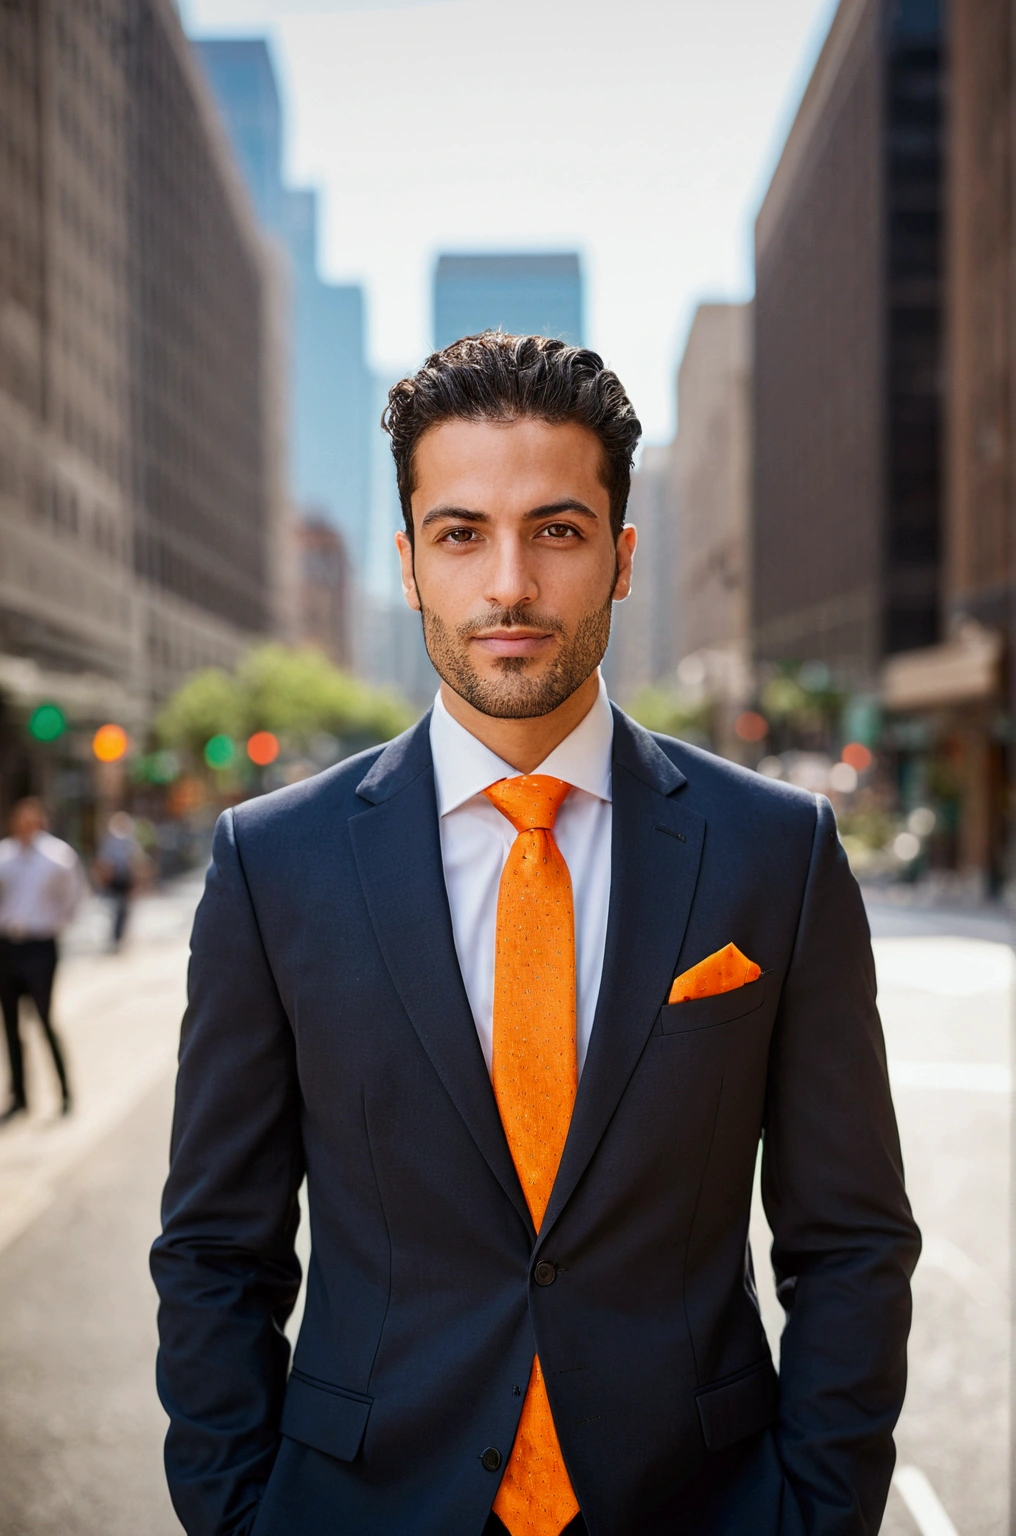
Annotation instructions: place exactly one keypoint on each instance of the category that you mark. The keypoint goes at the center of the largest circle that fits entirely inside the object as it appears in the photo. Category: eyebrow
(467, 515)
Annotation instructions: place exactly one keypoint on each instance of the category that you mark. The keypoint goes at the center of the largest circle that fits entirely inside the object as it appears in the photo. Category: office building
(641, 651)
(330, 424)
(884, 380)
(139, 471)
(522, 294)
(848, 485)
(685, 628)
(323, 588)
(711, 465)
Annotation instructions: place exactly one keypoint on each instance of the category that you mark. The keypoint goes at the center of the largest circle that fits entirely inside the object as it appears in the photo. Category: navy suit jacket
(328, 1034)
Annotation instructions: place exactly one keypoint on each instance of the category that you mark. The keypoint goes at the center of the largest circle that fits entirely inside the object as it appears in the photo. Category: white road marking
(923, 1502)
(965, 1076)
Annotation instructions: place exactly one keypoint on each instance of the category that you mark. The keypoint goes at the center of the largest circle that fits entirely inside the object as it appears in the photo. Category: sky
(640, 132)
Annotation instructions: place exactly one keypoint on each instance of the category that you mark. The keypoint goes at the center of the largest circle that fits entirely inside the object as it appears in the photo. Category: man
(520, 993)
(41, 886)
(118, 867)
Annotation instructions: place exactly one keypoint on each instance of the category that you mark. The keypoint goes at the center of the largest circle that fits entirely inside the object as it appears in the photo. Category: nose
(511, 581)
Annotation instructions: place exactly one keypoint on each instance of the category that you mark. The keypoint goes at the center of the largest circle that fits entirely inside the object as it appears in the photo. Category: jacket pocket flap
(705, 1012)
(741, 1406)
(328, 1418)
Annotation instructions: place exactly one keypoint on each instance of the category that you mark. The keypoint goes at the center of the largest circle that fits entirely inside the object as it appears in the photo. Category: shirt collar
(463, 766)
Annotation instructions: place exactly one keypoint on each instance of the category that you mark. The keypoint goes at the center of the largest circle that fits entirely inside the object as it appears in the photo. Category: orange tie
(535, 1075)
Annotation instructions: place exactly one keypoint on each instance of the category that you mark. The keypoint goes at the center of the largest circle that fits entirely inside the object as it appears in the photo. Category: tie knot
(532, 800)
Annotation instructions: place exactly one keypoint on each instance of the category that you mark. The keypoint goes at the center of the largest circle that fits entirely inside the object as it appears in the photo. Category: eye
(458, 536)
(560, 531)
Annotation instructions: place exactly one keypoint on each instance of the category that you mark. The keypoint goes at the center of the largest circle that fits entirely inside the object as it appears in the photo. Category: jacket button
(544, 1273)
(491, 1458)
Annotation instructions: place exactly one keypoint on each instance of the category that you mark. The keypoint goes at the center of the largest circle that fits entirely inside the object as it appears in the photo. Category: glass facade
(524, 295)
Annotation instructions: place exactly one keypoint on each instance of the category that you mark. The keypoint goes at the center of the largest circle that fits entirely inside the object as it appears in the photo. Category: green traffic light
(48, 722)
(219, 751)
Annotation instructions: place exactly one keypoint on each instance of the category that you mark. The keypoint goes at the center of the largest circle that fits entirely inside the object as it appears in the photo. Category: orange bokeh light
(857, 755)
(262, 748)
(109, 743)
(751, 726)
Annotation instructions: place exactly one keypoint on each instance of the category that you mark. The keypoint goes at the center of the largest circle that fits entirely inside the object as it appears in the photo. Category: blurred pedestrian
(118, 869)
(41, 885)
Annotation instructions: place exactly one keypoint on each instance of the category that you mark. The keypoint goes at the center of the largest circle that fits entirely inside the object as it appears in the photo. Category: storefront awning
(962, 671)
(86, 697)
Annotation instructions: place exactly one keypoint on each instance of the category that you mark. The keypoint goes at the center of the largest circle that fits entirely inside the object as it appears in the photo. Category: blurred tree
(803, 705)
(296, 694)
(208, 704)
(658, 709)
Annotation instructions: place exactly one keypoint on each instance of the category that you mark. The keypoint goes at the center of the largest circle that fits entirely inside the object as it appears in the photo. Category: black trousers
(495, 1527)
(27, 967)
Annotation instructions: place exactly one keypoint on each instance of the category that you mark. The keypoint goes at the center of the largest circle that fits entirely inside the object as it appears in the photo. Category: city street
(80, 1427)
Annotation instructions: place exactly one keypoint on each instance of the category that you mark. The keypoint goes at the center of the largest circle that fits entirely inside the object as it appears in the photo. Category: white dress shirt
(41, 885)
(476, 838)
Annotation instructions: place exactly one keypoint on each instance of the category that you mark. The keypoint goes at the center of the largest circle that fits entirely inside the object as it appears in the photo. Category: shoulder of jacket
(332, 792)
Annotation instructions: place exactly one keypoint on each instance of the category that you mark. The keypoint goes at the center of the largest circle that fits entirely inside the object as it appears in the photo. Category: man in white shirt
(520, 993)
(41, 886)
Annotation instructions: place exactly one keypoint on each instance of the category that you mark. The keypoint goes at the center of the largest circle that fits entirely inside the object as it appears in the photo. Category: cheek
(577, 581)
(450, 587)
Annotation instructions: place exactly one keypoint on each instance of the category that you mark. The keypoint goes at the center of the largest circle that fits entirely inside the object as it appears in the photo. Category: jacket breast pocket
(707, 1012)
(330, 1419)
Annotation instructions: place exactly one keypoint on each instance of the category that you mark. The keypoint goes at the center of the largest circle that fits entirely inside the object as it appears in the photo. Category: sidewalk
(913, 911)
(119, 1016)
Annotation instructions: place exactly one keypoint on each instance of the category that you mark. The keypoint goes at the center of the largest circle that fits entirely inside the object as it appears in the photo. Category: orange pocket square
(722, 972)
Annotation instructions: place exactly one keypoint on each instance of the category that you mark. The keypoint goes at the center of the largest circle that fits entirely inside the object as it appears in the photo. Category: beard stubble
(512, 695)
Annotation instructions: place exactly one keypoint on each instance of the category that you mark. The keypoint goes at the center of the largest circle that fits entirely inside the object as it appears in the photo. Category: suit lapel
(656, 846)
(397, 848)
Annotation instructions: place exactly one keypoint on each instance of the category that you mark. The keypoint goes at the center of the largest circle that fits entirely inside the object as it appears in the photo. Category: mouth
(516, 641)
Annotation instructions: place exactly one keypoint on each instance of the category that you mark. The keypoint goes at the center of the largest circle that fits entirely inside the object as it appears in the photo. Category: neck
(524, 743)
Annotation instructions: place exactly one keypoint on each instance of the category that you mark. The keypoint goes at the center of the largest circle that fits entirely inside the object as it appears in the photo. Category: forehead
(508, 466)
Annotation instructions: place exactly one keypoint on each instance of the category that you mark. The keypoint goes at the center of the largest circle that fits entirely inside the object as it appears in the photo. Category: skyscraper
(331, 387)
(849, 337)
(139, 482)
(523, 294)
(885, 446)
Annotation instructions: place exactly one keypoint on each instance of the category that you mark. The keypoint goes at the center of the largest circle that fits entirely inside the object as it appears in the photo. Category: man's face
(515, 566)
(26, 821)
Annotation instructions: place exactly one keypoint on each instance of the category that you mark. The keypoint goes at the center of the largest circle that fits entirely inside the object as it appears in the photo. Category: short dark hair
(494, 377)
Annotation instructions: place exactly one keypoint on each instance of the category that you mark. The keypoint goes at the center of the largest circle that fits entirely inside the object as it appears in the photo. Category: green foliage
(803, 702)
(208, 704)
(659, 710)
(296, 694)
(299, 693)
(870, 826)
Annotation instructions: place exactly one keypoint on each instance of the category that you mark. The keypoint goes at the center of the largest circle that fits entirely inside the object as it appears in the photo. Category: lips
(512, 642)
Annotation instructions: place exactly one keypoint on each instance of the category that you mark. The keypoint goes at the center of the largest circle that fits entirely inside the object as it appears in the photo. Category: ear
(405, 550)
(625, 552)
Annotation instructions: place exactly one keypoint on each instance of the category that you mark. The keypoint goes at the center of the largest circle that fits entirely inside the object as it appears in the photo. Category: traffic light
(262, 748)
(47, 723)
(110, 743)
(219, 751)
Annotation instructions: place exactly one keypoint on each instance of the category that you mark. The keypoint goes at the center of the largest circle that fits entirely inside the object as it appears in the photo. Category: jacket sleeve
(225, 1266)
(844, 1241)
